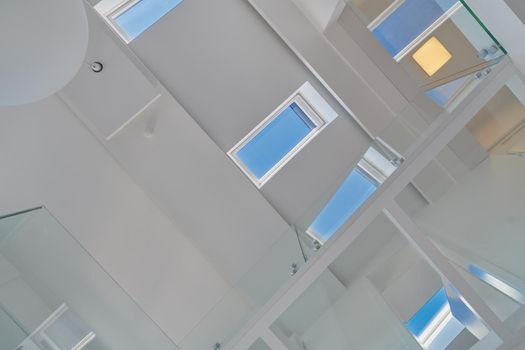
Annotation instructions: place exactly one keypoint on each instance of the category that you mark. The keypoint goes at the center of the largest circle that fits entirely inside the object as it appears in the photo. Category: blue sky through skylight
(142, 15)
(421, 319)
(435, 325)
(354, 191)
(497, 283)
(275, 140)
(408, 21)
(444, 93)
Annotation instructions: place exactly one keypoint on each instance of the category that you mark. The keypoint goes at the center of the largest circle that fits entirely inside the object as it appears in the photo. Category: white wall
(359, 320)
(481, 219)
(49, 158)
(229, 70)
(484, 213)
(381, 282)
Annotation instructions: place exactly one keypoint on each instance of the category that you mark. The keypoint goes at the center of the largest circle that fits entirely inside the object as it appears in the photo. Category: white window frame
(376, 22)
(312, 114)
(111, 9)
(369, 169)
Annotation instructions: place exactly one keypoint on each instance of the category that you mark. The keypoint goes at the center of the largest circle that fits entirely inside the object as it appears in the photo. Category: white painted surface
(340, 76)
(360, 319)
(198, 186)
(483, 213)
(49, 158)
(505, 25)
(231, 75)
(321, 12)
(110, 98)
(424, 151)
(44, 49)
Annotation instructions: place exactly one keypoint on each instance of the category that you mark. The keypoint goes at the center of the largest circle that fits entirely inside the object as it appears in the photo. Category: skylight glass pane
(419, 322)
(408, 21)
(373, 156)
(451, 329)
(142, 15)
(497, 283)
(354, 191)
(443, 94)
(275, 140)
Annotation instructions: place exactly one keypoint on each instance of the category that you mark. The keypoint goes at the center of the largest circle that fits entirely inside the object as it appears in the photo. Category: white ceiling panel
(107, 100)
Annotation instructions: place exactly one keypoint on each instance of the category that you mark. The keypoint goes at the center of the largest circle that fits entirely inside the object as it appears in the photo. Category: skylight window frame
(368, 171)
(111, 9)
(310, 112)
(117, 11)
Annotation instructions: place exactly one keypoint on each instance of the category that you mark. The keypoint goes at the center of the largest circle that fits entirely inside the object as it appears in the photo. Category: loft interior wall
(170, 157)
(230, 70)
(50, 158)
(498, 119)
(483, 214)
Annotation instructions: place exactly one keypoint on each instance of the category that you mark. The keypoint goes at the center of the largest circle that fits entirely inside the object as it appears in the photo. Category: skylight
(132, 17)
(434, 325)
(398, 28)
(354, 191)
(372, 170)
(498, 284)
(276, 140)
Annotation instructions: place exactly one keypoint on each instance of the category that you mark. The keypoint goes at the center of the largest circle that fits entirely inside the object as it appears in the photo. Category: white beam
(426, 150)
(273, 341)
(440, 263)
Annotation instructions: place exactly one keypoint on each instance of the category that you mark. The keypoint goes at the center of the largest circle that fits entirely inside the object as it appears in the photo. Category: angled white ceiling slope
(229, 70)
(172, 158)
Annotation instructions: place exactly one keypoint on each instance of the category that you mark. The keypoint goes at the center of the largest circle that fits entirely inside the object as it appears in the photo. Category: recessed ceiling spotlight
(96, 66)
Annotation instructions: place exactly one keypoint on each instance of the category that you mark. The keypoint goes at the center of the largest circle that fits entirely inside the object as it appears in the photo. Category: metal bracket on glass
(316, 245)
(293, 269)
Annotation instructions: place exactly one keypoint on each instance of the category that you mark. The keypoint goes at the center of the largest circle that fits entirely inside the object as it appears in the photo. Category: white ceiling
(231, 75)
(182, 163)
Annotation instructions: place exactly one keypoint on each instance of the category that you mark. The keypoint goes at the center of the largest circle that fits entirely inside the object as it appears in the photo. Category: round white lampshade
(42, 46)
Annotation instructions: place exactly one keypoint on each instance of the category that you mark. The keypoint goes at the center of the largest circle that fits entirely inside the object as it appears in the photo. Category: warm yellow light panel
(431, 56)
